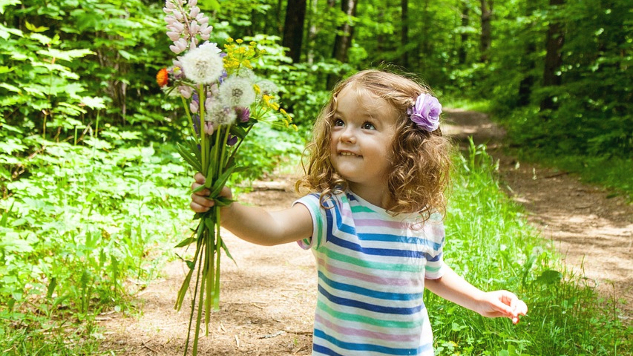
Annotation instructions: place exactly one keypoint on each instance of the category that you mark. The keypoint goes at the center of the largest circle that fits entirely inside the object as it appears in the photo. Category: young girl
(377, 173)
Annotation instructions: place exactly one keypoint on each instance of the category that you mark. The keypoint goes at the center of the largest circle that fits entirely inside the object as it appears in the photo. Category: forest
(94, 192)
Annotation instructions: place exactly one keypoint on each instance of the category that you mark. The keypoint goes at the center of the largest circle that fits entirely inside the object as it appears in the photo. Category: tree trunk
(312, 30)
(425, 48)
(343, 40)
(486, 29)
(553, 56)
(462, 52)
(293, 28)
(527, 62)
(404, 19)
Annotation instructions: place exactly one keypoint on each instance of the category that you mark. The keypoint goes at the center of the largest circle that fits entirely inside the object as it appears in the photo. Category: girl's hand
(502, 303)
(200, 202)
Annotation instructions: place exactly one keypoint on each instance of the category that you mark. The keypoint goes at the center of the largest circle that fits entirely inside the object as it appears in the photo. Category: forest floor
(268, 295)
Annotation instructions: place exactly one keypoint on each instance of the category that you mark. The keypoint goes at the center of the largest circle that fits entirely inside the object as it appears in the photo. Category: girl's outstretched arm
(254, 224)
(500, 303)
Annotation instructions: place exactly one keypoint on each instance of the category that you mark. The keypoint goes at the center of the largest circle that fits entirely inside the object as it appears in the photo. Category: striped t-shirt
(371, 270)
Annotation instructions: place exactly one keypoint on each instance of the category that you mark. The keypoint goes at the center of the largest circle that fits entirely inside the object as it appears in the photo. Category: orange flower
(162, 77)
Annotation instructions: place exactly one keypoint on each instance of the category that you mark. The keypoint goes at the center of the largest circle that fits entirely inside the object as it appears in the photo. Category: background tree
(293, 28)
(463, 50)
(343, 40)
(553, 57)
(486, 28)
(404, 37)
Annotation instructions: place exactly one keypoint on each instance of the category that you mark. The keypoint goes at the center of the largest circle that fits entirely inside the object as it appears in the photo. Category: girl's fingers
(201, 200)
(200, 204)
(202, 193)
(199, 178)
(198, 208)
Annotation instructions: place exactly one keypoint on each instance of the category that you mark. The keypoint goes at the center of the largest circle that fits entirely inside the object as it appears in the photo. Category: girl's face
(363, 130)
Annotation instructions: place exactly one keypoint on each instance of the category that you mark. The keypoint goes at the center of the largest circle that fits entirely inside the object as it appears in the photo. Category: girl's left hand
(502, 303)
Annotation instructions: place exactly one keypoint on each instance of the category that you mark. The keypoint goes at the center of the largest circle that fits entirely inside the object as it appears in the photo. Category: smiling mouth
(349, 154)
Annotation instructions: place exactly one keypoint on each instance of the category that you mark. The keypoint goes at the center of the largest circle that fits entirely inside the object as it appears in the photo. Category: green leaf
(238, 131)
(222, 201)
(5, 216)
(127, 55)
(5, 3)
(33, 28)
(51, 288)
(228, 254)
(9, 86)
(45, 40)
(65, 55)
(93, 102)
(5, 32)
(220, 182)
(550, 277)
(213, 5)
(186, 242)
(188, 157)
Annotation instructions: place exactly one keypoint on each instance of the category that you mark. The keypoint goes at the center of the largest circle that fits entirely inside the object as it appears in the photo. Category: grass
(465, 104)
(492, 246)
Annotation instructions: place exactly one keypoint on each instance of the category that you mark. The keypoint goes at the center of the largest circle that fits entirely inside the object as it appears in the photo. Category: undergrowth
(86, 226)
(490, 243)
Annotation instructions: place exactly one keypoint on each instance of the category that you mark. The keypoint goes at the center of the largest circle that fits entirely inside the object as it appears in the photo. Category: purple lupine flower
(232, 140)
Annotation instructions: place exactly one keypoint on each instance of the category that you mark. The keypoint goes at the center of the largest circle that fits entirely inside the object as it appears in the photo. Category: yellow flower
(267, 101)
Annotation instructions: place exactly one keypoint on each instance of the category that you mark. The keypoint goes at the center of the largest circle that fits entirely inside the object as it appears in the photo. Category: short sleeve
(434, 231)
(318, 224)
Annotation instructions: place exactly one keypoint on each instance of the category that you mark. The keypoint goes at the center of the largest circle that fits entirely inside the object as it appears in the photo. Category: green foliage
(80, 224)
(493, 247)
(593, 112)
(118, 46)
(30, 334)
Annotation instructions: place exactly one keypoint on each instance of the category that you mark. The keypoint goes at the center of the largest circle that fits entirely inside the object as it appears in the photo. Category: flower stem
(218, 250)
(193, 128)
(239, 144)
(209, 272)
(203, 142)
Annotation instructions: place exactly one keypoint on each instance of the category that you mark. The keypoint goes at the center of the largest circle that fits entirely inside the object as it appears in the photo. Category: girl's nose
(348, 135)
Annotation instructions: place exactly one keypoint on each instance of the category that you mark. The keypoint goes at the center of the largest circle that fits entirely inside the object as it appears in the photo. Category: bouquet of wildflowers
(222, 99)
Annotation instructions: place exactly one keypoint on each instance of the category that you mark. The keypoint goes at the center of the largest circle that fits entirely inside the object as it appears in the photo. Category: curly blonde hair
(421, 160)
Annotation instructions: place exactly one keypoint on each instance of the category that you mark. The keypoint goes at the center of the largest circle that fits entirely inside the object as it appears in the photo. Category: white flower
(179, 46)
(246, 73)
(236, 91)
(173, 35)
(219, 114)
(267, 87)
(194, 12)
(193, 107)
(185, 91)
(203, 64)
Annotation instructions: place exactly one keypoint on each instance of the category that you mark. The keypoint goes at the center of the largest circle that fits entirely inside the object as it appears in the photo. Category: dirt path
(593, 233)
(267, 300)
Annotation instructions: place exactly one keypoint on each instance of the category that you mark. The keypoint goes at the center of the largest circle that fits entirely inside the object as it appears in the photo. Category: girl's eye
(368, 126)
(338, 122)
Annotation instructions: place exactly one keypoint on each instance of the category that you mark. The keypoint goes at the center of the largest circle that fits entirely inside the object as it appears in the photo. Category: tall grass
(491, 244)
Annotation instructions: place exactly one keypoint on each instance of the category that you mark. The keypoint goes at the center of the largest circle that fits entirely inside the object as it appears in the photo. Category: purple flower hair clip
(426, 112)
